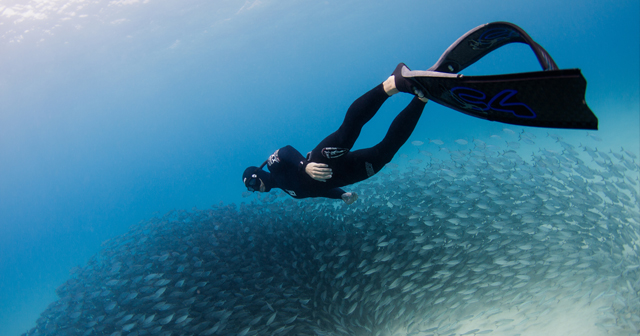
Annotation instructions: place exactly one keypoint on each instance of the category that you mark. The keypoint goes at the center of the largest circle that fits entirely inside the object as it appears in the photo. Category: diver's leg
(371, 160)
(358, 114)
(400, 129)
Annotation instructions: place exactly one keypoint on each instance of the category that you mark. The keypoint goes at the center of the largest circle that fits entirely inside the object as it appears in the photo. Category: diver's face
(262, 188)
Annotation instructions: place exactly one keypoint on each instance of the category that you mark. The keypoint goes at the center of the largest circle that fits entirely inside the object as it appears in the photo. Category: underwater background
(114, 113)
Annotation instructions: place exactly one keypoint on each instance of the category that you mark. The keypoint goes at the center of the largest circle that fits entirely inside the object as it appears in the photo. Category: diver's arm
(289, 156)
(338, 193)
(335, 193)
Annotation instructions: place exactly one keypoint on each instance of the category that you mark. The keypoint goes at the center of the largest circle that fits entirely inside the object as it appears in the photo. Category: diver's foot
(401, 83)
(398, 83)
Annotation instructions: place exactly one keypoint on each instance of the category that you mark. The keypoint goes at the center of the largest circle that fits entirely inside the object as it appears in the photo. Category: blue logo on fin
(503, 101)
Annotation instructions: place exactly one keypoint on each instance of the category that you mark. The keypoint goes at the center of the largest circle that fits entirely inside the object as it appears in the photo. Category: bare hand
(319, 171)
(349, 197)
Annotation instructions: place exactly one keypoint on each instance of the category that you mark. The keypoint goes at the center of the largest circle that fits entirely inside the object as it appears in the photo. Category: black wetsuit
(287, 165)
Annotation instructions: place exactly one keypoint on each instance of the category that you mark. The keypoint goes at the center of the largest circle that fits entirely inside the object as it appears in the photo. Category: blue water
(113, 111)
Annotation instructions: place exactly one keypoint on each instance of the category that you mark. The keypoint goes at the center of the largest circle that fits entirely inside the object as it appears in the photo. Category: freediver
(331, 164)
(553, 98)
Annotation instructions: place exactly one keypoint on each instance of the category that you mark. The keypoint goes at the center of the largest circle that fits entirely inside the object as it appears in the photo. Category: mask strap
(263, 164)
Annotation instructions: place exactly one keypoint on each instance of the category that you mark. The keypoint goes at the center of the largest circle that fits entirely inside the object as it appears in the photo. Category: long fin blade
(484, 39)
(552, 98)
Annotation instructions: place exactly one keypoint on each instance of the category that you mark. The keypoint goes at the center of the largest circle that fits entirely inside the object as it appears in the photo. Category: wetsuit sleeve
(335, 193)
(292, 157)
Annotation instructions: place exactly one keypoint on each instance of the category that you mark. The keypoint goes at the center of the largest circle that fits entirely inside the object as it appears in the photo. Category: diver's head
(256, 179)
(251, 180)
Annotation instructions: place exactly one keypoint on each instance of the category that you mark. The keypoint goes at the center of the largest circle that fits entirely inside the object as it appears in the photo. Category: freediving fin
(484, 39)
(552, 98)
(549, 98)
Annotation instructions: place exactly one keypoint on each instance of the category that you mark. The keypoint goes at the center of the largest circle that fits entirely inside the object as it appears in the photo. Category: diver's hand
(318, 171)
(349, 197)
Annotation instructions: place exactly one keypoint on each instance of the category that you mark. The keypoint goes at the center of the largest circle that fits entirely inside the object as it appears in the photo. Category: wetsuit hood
(263, 175)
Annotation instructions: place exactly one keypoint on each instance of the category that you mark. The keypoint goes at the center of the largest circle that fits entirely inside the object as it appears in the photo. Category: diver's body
(331, 164)
(549, 98)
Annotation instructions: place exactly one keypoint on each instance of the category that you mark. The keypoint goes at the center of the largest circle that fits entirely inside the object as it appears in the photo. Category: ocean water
(113, 113)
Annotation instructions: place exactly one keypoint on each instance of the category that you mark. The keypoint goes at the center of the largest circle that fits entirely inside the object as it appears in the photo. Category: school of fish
(485, 241)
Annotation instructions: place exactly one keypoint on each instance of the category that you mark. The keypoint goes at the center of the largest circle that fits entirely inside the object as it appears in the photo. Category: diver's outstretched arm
(349, 197)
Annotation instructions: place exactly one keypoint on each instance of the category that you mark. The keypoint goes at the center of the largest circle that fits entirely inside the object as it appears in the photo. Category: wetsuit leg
(366, 162)
(358, 114)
